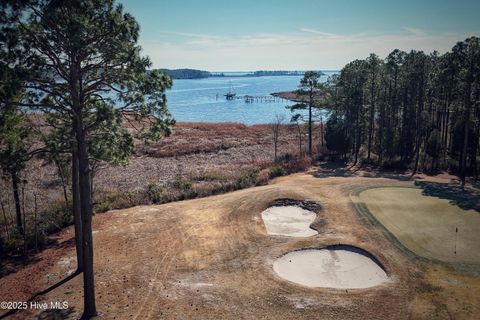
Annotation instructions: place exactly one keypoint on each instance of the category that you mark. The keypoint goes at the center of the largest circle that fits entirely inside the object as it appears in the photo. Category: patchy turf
(430, 226)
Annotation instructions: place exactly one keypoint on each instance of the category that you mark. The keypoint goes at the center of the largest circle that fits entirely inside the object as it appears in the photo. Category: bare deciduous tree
(275, 127)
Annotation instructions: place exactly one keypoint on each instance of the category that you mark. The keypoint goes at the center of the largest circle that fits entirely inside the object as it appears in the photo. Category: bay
(202, 100)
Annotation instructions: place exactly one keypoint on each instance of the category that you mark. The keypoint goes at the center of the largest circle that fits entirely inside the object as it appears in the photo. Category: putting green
(426, 225)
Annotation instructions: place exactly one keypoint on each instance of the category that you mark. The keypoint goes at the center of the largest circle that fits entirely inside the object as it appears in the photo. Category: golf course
(214, 257)
(430, 226)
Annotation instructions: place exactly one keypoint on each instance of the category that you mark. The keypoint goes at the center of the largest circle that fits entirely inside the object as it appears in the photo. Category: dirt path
(211, 258)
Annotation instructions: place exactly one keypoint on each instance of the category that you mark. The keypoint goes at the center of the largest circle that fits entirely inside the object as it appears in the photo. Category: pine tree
(78, 53)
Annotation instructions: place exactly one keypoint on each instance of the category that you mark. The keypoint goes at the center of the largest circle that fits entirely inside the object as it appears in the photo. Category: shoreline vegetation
(186, 73)
(197, 160)
(295, 96)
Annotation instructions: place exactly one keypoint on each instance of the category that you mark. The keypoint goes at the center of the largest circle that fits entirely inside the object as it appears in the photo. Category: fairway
(426, 225)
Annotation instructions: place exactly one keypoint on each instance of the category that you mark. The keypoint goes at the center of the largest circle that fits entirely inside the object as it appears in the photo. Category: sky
(247, 35)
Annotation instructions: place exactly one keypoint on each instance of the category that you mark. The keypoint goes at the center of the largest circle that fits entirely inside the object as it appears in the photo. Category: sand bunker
(344, 268)
(289, 221)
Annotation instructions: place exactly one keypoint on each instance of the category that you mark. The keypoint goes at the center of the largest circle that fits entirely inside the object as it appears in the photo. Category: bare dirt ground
(211, 258)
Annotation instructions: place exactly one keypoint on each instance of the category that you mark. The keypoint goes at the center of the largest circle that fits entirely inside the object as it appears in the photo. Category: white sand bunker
(338, 268)
(289, 221)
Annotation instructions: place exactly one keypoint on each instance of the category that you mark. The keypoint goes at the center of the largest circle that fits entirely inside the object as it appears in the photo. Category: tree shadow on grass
(468, 199)
(341, 169)
(13, 263)
(396, 175)
(333, 169)
(41, 293)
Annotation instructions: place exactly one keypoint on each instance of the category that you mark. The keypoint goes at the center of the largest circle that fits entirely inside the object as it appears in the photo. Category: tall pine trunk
(371, 126)
(86, 211)
(77, 214)
(89, 308)
(466, 126)
(16, 199)
(310, 129)
(5, 219)
(64, 182)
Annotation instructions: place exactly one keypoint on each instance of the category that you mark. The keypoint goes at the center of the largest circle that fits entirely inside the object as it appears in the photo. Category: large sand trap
(289, 221)
(337, 268)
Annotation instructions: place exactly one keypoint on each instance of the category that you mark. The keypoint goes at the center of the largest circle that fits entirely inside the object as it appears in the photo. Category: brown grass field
(211, 258)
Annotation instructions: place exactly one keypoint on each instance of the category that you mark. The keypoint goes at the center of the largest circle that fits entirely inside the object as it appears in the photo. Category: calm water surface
(202, 100)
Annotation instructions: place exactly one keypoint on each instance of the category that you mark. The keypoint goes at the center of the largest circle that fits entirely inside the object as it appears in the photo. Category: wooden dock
(251, 99)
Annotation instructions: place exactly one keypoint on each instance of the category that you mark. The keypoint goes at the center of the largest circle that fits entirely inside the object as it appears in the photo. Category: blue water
(202, 100)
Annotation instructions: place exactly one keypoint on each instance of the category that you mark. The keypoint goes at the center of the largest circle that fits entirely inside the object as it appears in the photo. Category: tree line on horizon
(187, 73)
(410, 110)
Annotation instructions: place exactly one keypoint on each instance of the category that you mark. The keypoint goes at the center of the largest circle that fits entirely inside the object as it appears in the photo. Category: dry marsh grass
(196, 160)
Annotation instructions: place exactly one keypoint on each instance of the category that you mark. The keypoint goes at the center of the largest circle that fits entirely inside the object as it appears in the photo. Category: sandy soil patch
(290, 221)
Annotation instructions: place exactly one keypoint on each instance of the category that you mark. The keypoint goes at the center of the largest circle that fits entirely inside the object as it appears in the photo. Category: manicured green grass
(426, 225)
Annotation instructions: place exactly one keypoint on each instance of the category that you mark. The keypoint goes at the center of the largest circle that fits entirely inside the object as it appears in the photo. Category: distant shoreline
(202, 74)
(289, 95)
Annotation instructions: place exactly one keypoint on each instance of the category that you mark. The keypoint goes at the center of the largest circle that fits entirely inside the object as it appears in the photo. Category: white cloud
(301, 50)
(321, 33)
(415, 31)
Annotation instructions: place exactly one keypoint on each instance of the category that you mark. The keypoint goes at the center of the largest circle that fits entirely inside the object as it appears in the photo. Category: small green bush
(276, 171)
(154, 192)
(182, 183)
(114, 199)
(103, 206)
(247, 179)
(14, 244)
(55, 219)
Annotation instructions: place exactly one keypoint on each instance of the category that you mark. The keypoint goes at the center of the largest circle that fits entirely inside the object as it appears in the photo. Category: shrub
(262, 177)
(246, 179)
(55, 219)
(298, 164)
(13, 244)
(38, 241)
(103, 206)
(286, 157)
(276, 171)
(154, 192)
(182, 183)
(210, 175)
(115, 199)
(188, 193)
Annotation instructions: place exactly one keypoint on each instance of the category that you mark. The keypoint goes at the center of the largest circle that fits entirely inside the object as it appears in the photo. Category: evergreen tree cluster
(186, 73)
(410, 110)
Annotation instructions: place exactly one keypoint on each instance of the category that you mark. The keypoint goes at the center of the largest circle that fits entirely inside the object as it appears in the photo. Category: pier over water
(251, 99)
